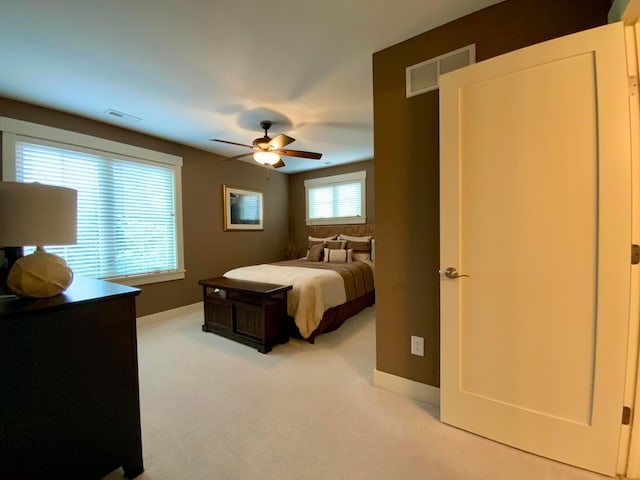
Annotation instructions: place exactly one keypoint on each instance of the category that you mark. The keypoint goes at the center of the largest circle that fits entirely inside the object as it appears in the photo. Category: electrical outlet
(417, 346)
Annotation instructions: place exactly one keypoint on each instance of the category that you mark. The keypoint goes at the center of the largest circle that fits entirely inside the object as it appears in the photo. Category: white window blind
(338, 199)
(127, 210)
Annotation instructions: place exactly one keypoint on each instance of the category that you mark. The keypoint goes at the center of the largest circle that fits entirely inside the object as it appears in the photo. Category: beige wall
(406, 164)
(297, 206)
(209, 251)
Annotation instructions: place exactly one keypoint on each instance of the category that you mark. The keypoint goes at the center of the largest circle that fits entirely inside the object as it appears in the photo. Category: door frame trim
(629, 449)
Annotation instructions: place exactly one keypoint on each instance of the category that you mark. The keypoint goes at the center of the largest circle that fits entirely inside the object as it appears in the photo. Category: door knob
(452, 273)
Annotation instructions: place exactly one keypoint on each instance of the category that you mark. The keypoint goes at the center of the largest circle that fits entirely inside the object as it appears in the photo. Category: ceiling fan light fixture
(266, 158)
(267, 151)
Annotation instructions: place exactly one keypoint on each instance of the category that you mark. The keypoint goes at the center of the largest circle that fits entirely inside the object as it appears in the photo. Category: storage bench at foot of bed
(252, 313)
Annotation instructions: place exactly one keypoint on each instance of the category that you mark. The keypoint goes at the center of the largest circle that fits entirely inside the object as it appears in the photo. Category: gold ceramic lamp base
(39, 275)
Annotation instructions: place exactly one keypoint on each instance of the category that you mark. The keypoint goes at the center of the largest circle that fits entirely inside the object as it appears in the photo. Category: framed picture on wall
(242, 209)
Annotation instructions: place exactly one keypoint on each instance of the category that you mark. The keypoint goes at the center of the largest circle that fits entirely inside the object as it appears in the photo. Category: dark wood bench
(252, 313)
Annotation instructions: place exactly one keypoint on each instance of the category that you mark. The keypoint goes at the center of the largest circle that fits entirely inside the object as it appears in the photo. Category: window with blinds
(129, 224)
(339, 199)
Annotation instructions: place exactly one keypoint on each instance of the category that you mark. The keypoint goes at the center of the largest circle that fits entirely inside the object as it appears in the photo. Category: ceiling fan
(267, 150)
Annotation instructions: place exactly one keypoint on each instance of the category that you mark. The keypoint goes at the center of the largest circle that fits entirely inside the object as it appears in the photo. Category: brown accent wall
(208, 250)
(297, 205)
(406, 164)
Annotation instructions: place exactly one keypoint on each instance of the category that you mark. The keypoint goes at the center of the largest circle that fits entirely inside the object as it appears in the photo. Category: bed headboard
(361, 230)
(323, 231)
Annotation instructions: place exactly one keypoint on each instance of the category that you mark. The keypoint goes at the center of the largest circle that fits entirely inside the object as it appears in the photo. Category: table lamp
(36, 214)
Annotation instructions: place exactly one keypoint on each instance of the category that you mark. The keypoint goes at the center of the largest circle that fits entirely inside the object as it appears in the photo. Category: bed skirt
(334, 317)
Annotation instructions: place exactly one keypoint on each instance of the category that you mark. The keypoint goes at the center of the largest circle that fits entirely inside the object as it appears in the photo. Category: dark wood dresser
(69, 401)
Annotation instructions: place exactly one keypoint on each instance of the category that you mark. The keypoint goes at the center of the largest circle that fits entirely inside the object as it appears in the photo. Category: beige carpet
(215, 409)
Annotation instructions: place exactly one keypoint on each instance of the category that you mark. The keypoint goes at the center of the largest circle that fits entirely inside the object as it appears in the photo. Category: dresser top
(80, 291)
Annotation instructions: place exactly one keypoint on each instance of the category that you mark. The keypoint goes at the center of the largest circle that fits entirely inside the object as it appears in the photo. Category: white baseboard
(408, 388)
(174, 312)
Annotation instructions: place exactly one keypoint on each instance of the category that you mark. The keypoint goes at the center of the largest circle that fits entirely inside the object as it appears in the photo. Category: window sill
(136, 280)
(337, 221)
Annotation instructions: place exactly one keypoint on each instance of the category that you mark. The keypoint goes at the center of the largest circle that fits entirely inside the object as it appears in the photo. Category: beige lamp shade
(36, 214)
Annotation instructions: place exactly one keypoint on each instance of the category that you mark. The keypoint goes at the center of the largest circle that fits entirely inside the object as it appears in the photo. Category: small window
(129, 207)
(339, 199)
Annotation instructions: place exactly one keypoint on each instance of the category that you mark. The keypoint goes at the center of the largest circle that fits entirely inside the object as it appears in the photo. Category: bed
(333, 282)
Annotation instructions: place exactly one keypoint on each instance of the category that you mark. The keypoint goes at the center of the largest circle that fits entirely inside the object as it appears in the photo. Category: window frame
(335, 180)
(17, 130)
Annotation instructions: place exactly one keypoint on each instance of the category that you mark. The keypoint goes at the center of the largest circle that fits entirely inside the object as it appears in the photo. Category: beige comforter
(316, 287)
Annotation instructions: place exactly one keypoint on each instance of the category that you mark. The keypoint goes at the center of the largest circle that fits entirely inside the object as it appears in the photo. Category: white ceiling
(192, 70)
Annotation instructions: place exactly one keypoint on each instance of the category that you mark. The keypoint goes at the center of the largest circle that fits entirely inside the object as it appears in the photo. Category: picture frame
(243, 209)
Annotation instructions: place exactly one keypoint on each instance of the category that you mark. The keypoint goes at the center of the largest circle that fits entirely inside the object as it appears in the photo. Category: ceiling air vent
(424, 76)
(123, 116)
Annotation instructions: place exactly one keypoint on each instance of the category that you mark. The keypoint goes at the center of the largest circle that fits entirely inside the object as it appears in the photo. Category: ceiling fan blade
(299, 153)
(279, 164)
(280, 141)
(235, 157)
(231, 143)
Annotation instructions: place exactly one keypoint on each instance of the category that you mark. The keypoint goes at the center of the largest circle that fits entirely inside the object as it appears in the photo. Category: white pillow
(366, 238)
(337, 256)
(318, 239)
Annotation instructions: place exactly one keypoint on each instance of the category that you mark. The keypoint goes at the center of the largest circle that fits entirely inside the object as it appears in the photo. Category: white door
(535, 206)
